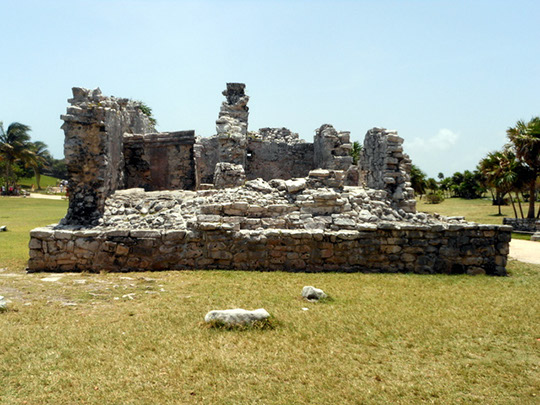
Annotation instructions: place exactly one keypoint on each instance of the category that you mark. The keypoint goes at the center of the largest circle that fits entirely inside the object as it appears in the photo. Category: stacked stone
(94, 126)
(384, 247)
(277, 135)
(386, 167)
(332, 148)
(160, 161)
(523, 224)
(231, 125)
(229, 175)
(233, 115)
(309, 224)
(317, 202)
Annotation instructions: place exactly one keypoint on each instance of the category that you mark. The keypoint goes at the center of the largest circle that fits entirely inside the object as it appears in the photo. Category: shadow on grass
(266, 324)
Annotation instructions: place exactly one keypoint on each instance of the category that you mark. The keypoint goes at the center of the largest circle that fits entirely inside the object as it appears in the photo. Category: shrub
(434, 198)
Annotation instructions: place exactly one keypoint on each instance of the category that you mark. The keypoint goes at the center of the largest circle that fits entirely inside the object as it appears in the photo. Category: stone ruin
(263, 200)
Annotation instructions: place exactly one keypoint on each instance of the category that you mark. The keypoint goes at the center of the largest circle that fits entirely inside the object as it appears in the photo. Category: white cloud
(443, 140)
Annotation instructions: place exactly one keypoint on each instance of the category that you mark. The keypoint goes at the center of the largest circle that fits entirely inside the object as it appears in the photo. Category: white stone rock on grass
(236, 316)
(3, 304)
(313, 294)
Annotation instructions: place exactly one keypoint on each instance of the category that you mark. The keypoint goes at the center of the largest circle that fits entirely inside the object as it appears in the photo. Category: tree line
(20, 157)
(510, 173)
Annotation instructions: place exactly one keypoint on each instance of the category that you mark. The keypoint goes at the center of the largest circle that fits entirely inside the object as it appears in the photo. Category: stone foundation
(386, 247)
(523, 224)
(305, 224)
(264, 200)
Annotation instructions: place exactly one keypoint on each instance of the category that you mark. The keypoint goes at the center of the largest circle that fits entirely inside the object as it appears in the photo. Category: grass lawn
(478, 210)
(138, 338)
(44, 182)
(20, 215)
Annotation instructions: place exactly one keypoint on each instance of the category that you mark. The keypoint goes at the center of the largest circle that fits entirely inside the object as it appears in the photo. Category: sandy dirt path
(525, 251)
(45, 196)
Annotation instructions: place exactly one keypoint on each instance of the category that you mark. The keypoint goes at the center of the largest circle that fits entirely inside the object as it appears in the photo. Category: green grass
(381, 339)
(479, 210)
(20, 215)
(44, 182)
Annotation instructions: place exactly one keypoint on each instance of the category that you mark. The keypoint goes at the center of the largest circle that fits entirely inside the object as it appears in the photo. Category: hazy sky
(450, 76)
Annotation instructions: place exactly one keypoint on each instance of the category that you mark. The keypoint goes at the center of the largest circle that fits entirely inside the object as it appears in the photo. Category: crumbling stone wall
(310, 224)
(313, 223)
(94, 127)
(163, 161)
(386, 167)
(332, 148)
(206, 152)
(271, 159)
(234, 112)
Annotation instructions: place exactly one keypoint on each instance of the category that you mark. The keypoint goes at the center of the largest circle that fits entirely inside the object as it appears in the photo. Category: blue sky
(450, 76)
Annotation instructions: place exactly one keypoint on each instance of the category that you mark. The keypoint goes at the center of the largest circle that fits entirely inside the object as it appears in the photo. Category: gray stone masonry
(229, 175)
(276, 203)
(162, 161)
(332, 148)
(523, 224)
(94, 127)
(386, 167)
(307, 224)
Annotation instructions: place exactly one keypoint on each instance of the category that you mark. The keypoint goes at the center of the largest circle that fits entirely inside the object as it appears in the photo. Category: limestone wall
(163, 161)
(386, 167)
(278, 160)
(523, 224)
(94, 127)
(206, 157)
(308, 224)
(332, 148)
(473, 249)
(276, 219)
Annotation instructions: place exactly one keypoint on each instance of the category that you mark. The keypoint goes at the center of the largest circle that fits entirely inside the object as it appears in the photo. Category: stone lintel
(162, 138)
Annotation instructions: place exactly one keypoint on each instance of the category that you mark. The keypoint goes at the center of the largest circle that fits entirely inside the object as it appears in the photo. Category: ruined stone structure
(262, 200)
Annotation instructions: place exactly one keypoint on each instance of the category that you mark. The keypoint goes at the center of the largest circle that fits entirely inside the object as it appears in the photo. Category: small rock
(313, 294)
(236, 316)
(3, 228)
(3, 304)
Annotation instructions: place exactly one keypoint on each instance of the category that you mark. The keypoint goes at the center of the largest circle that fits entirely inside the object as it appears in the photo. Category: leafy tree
(57, 168)
(440, 176)
(355, 151)
(525, 138)
(431, 184)
(14, 147)
(467, 185)
(418, 180)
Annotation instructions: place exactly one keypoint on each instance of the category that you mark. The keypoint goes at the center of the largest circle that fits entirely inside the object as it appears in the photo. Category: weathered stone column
(386, 167)
(232, 124)
(332, 149)
(94, 126)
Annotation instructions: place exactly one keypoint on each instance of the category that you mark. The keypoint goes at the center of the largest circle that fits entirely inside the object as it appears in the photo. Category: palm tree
(39, 160)
(14, 146)
(526, 139)
(418, 180)
(355, 152)
(501, 172)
